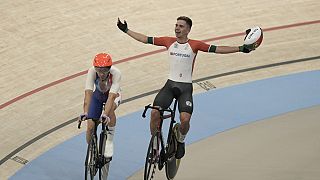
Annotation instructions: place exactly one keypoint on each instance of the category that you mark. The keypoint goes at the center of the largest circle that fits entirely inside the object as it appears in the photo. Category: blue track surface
(215, 111)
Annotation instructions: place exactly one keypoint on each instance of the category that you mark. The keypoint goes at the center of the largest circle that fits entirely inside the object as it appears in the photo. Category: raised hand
(122, 26)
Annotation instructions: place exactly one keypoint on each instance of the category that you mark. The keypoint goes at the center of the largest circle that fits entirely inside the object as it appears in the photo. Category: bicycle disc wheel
(151, 160)
(172, 164)
(90, 163)
(172, 167)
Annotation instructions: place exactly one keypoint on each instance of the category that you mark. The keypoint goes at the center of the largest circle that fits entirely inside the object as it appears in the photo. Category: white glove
(104, 119)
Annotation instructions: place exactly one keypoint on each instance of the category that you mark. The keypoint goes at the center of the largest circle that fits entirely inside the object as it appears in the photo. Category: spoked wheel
(151, 160)
(103, 162)
(172, 164)
(104, 171)
(91, 160)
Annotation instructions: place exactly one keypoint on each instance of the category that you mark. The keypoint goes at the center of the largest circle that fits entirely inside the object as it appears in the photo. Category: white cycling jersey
(181, 56)
(112, 84)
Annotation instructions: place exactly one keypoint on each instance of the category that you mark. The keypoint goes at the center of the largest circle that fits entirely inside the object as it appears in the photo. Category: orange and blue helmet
(102, 60)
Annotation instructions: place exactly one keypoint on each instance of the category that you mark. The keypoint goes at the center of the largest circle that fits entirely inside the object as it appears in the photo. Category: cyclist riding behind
(102, 87)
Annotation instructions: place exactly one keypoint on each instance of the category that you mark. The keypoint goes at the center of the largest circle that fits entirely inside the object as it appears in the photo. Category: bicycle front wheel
(151, 160)
(104, 171)
(91, 160)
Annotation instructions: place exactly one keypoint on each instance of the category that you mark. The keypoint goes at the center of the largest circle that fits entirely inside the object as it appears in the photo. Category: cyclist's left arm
(227, 49)
(202, 46)
(115, 88)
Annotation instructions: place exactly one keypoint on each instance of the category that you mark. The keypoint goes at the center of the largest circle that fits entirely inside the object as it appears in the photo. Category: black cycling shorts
(179, 90)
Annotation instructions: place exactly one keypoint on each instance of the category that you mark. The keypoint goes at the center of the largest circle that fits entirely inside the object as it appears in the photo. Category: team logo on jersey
(180, 55)
(175, 45)
(188, 103)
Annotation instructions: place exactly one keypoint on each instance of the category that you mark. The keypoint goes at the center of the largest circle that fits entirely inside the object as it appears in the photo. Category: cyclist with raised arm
(102, 87)
(182, 53)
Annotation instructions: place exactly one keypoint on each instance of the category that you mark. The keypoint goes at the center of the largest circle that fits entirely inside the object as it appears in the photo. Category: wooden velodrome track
(46, 47)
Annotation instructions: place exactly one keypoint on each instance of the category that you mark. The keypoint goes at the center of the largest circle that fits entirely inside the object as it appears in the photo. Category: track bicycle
(95, 160)
(158, 152)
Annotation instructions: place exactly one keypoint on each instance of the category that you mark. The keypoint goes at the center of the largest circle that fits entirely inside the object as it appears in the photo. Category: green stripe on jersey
(150, 40)
(212, 48)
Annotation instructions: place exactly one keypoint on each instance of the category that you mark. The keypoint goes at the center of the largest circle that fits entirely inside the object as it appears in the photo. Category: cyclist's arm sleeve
(161, 41)
(206, 47)
(197, 45)
(212, 48)
(116, 78)
(90, 79)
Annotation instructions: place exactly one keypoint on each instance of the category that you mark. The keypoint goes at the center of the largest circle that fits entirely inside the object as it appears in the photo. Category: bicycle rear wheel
(151, 160)
(91, 160)
(172, 167)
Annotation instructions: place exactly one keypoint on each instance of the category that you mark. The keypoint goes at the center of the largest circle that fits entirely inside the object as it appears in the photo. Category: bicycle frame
(165, 153)
(164, 148)
(99, 160)
(163, 117)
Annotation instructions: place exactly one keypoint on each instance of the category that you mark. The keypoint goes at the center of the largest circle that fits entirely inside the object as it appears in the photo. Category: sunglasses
(102, 70)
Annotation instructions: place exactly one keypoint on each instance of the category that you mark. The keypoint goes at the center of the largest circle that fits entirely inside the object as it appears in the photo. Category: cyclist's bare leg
(90, 129)
(181, 133)
(108, 151)
(155, 118)
(185, 124)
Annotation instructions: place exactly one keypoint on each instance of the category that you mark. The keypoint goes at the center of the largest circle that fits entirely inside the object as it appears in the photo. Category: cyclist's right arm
(158, 41)
(86, 104)
(162, 41)
(138, 36)
(87, 100)
(88, 89)
(123, 26)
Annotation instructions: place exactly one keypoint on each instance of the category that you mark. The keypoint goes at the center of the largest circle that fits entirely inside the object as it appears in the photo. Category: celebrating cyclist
(182, 53)
(102, 88)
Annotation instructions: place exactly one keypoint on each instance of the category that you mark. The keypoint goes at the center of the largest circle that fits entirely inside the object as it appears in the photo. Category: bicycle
(95, 160)
(166, 157)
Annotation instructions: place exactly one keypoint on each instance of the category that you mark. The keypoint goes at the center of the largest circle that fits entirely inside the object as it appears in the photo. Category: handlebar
(159, 109)
(79, 122)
